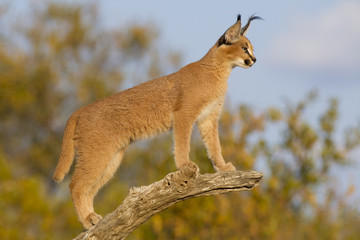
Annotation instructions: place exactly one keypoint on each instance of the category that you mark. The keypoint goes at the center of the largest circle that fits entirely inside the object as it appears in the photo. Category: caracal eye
(245, 49)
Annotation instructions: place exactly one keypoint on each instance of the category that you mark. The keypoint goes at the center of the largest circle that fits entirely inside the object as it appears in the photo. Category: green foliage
(62, 59)
(29, 212)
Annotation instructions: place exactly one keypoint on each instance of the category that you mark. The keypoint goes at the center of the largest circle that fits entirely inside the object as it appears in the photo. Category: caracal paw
(228, 167)
(189, 168)
(91, 220)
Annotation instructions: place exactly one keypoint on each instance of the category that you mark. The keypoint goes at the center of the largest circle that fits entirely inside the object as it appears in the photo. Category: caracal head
(234, 48)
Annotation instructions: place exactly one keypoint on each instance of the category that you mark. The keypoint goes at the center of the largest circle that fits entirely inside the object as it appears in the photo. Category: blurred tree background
(59, 58)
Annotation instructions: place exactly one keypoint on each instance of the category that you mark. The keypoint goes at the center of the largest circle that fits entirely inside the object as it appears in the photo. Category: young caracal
(98, 134)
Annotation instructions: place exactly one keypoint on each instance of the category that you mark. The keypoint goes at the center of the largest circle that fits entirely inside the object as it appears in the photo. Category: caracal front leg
(182, 134)
(208, 128)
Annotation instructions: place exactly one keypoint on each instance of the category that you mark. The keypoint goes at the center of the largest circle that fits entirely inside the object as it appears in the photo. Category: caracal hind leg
(79, 197)
(107, 174)
(89, 170)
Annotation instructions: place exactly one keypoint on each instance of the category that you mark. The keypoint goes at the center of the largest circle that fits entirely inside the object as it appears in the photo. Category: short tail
(67, 150)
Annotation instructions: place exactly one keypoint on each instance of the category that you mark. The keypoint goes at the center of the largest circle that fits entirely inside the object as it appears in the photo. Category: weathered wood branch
(143, 202)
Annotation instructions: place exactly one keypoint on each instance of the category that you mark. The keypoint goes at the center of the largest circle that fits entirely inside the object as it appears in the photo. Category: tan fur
(100, 132)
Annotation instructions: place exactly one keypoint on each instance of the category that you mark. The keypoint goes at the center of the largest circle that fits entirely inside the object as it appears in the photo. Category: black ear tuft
(238, 18)
(253, 17)
(245, 28)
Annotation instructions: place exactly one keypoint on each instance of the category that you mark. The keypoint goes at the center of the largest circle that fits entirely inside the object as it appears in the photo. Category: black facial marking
(251, 57)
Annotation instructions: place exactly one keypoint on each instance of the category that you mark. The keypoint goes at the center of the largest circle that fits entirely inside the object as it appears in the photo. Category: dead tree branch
(143, 202)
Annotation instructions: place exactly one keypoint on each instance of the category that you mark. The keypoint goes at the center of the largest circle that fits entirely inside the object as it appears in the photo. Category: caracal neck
(213, 62)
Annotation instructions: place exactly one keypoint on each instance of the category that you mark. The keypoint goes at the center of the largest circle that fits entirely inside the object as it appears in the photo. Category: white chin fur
(244, 66)
(240, 63)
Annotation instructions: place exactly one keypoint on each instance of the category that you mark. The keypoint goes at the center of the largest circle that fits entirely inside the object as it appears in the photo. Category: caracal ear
(232, 34)
(244, 30)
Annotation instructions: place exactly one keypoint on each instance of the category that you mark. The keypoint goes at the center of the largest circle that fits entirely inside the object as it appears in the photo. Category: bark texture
(143, 202)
